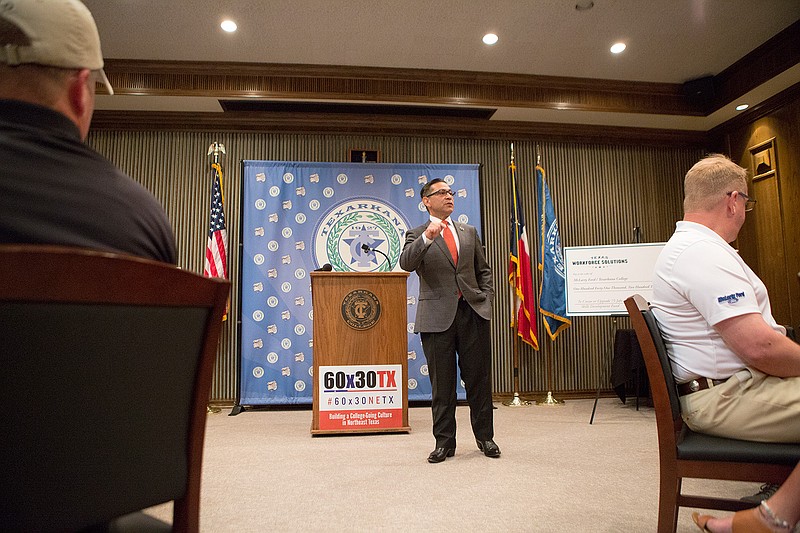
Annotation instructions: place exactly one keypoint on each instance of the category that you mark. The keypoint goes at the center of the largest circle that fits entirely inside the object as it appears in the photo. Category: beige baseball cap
(55, 33)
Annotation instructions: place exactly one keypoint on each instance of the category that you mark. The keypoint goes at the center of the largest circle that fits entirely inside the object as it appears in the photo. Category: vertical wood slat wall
(600, 193)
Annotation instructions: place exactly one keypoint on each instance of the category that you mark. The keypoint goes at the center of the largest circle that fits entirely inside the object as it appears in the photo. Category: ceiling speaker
(700, 92)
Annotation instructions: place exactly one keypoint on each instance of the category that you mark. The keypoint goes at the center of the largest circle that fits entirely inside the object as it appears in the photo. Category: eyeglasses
(749, 203)
(442, 192)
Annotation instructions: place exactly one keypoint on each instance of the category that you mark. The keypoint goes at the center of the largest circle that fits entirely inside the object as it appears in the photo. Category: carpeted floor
(263, 471)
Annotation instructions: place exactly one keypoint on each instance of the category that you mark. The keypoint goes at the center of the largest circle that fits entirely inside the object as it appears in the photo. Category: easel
(637, 238)
(608, 375)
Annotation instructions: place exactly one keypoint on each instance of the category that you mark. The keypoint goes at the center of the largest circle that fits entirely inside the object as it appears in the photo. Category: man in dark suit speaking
(454, 307)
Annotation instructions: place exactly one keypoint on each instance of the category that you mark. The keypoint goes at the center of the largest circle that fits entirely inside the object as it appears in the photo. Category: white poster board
(599, 278)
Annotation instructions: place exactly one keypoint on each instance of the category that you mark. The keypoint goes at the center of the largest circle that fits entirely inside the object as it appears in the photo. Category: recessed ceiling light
(228, 25)
(617, 48)
(490, 38)
(742, 107)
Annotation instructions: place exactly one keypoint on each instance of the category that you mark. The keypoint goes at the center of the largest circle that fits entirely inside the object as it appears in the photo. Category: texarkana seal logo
(344, 230)
(553, 243)
(361, 309)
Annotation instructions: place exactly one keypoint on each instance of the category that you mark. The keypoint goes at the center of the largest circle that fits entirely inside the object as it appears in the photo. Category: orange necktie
(451, 242)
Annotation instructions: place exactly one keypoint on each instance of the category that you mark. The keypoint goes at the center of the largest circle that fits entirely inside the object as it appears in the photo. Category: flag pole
(516, 401)
(550, 399)
(215, 150)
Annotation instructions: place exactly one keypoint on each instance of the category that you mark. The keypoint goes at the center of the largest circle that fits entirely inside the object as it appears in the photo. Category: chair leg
(668, 503)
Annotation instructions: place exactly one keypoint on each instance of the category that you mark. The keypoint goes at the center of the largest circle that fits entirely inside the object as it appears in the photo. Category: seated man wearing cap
(54, 189)
(736, 370)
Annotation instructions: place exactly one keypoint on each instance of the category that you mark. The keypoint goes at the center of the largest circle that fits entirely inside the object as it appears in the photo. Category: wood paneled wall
(770, 238)
(601, 192)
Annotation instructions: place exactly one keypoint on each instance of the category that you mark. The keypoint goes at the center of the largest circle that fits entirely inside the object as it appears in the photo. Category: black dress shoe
(440, 454)
(489, 448)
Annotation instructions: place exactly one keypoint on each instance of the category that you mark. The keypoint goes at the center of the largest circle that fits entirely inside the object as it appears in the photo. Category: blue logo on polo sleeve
(731, 298)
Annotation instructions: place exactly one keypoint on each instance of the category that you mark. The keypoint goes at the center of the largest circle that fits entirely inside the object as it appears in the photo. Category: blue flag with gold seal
(552, 290)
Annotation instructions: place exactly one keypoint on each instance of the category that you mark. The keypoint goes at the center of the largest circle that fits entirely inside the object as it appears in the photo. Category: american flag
(216, 263)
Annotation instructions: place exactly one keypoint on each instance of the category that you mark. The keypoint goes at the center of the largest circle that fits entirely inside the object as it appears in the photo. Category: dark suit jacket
(440, 281)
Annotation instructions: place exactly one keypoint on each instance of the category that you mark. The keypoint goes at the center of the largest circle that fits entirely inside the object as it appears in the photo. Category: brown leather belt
(698, 384)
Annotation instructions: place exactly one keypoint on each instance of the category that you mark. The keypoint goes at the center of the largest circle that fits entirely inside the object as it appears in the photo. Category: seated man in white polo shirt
(736, 370)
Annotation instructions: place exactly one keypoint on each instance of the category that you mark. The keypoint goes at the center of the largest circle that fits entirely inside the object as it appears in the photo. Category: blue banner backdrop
(298, 216)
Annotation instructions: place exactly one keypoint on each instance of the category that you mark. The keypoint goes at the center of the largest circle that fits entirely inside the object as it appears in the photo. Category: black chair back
(105, 359)
(666, 367)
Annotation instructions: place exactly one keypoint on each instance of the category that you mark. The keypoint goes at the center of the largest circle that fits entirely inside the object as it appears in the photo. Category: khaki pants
(750, 405)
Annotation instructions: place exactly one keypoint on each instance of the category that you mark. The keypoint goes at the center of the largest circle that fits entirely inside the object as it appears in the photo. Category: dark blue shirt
(55, 189)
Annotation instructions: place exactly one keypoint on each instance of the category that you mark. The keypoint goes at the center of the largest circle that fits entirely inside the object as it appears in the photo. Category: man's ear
(732, 202)
(81, 98)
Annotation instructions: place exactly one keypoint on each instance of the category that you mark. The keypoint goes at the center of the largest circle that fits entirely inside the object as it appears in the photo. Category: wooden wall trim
(467, 128)
(762, 64)
(291, 81)
(757, 112)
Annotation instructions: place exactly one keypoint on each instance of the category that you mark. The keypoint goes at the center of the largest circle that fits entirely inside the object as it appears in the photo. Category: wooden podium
(360, 352)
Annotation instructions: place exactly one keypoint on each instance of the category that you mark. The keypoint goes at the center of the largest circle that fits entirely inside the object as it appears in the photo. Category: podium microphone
(324, 268)
(368, 249)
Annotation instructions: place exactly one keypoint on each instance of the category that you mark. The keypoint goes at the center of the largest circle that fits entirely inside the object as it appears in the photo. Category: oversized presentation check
(599, 278)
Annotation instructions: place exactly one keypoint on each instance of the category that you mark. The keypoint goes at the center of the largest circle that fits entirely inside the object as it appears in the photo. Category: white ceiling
(668, 40)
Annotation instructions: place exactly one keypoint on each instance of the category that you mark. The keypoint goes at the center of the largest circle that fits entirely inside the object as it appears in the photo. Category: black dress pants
(468, 337)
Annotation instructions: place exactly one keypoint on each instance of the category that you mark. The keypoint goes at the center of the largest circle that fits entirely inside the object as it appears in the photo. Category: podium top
(359, 274)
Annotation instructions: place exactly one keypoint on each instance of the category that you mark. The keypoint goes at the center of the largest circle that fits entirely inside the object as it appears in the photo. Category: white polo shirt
(699, 281)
